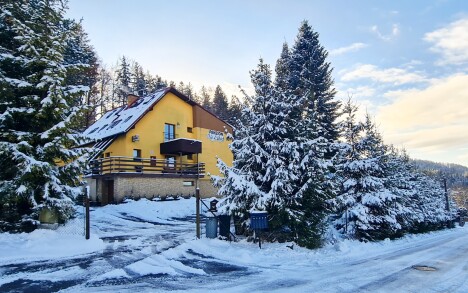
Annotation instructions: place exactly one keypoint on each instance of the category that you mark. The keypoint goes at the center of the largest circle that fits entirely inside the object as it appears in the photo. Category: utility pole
(447, 205)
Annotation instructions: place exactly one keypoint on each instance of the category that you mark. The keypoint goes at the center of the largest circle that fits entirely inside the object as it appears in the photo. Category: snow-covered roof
(121, 119)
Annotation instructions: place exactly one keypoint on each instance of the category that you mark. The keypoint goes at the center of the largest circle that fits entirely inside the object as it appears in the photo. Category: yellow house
(160, 145)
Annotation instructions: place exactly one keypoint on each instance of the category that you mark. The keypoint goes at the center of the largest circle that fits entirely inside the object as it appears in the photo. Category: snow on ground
(45, 244)
(150, 246)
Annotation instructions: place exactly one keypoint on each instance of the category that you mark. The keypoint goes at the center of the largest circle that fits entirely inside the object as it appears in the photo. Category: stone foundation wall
(132, 187)
(207, 189)
(144, 187)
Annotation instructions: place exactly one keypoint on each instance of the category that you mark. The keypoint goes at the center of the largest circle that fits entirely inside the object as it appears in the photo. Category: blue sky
(405, 62)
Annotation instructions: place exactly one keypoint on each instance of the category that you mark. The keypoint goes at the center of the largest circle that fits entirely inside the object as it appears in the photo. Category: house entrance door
(108, 194)
(110, 191)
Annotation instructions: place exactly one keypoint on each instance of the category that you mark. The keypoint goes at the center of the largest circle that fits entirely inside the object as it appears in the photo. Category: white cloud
(431, 120)
(393, 75)
(351, 48)
(357, 92)
(392, 35)
(451, 42)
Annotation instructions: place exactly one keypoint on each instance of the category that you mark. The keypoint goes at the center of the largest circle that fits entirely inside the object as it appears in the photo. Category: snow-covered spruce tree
(400, 180)
(348, 169)
(367, 209)
(309, 75)
(420, 200)
(266, 162)
(304, 75)
(282, 68)
(274, 168)
(35, 115)
(81, 62)
(431, 212)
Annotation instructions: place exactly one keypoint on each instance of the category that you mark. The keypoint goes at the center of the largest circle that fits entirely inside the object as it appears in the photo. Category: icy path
(146, 246)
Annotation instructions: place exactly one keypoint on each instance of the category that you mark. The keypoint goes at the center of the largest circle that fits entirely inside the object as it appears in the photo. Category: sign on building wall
(215, 135)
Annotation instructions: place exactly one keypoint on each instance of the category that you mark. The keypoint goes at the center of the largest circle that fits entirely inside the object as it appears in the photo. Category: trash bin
(224, 225)
(211, 227)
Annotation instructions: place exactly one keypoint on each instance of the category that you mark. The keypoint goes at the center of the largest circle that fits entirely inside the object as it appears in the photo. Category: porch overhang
(181, 146)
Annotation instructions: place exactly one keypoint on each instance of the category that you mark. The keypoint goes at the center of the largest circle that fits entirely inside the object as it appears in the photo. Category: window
(137, 155)
(103, 127)
(170, 161)
(107, 155)
(189, 183)
(169, 132)
(128, 118)
(189, 157)
(189, 129)
(114, 123)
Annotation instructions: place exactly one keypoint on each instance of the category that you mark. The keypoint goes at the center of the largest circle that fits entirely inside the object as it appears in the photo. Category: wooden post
(87, 217)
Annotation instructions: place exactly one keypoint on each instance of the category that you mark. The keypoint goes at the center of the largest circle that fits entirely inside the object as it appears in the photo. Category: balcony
(181, 146)
(143, 166)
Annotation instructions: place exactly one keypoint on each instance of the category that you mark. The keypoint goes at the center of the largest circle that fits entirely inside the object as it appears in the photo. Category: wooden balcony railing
(115, 165)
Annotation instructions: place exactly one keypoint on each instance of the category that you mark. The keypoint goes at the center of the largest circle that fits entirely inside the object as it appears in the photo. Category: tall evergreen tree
(123, 81)
(137, 81)
(154, 83)
(399, 180)
(251, 183)
(304, 76)
(37, 108)
(206, 99)
(220, 103)
(367, 209)
(282, 68)
(309, 76)
(187, 89)
(273, 171)
(82, 68)
(234, 110)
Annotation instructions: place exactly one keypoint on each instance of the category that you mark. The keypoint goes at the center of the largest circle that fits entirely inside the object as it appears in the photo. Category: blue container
(211, 227)
(258, 220)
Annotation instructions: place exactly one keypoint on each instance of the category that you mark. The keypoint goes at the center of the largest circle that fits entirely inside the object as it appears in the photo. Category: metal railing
(114, 165)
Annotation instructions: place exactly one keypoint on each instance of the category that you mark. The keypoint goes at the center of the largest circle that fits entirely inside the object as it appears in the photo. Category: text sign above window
(215, 135)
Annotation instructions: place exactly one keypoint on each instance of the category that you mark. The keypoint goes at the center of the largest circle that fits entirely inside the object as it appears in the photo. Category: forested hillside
(456, 175)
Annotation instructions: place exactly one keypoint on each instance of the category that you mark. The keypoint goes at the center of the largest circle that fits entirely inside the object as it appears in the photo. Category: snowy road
(149, 246)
